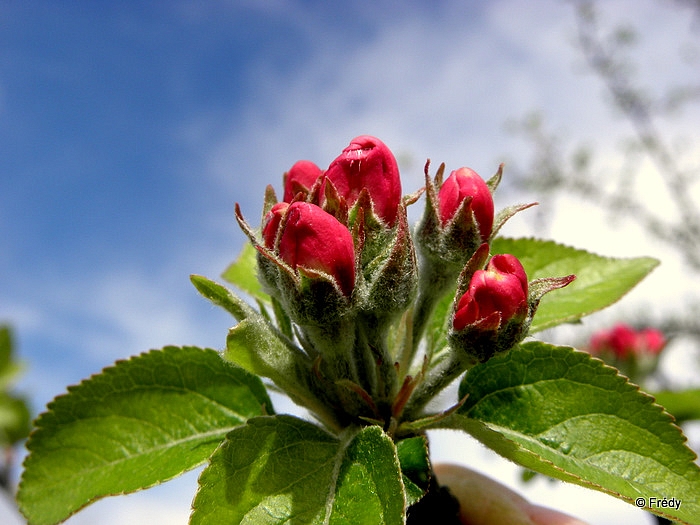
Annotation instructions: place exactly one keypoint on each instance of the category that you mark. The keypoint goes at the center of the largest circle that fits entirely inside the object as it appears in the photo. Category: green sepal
(391, 278)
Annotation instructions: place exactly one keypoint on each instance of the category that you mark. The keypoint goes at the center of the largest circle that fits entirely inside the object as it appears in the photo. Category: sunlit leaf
(565, 414)
(138, 423)
(280, 470)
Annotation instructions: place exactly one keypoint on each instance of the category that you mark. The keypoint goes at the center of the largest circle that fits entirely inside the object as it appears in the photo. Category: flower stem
(435, 281)
(442, 374)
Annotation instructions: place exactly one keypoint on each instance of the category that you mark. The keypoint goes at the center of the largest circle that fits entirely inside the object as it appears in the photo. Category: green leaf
(600, 281)
(14, 412)
(15, 421)
(684, 405)
(280, 470)
(10, 369)
(5, 347)
(138, 423)
(368, 488)
(243, 273)
(415, 466)
(562, 413)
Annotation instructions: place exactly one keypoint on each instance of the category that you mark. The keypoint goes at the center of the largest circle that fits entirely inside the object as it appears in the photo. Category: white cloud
(437, 87)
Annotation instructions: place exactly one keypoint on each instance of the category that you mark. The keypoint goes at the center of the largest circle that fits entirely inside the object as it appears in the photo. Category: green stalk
(444, 373)
(435, 280)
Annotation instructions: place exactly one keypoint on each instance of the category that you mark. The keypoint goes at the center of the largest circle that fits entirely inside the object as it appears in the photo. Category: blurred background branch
(652, 152)
(15, 416)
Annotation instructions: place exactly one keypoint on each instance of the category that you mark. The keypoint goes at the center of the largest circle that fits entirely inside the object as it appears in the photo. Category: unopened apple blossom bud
(495, 296)
(458, 218)
(312, 242)
(271, 223)
(300, 179)
(652, 340)
(494, 312)
(465, 188)
(367, 163)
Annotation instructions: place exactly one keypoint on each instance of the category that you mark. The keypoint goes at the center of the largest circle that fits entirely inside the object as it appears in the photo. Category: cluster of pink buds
(634, 352)
(624, 342)
(338, 257)
(494, 305)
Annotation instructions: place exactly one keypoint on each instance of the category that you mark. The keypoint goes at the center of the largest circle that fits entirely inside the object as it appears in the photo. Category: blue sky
(128, 130)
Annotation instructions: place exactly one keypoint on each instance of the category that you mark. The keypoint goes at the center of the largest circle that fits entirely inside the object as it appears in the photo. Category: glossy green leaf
(138, 423)
(600, 281)
(565, 414)
(281, 470)
(369, 486)
(684, 405)
(243, 273)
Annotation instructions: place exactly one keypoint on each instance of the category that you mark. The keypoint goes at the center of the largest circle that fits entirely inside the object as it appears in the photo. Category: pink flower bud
(622, 339)
(312, 242)
(272, 223)
(368, 163)
(300, 178)
(598, 343)
(652, 340)
(462, 184)
(500, 289)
